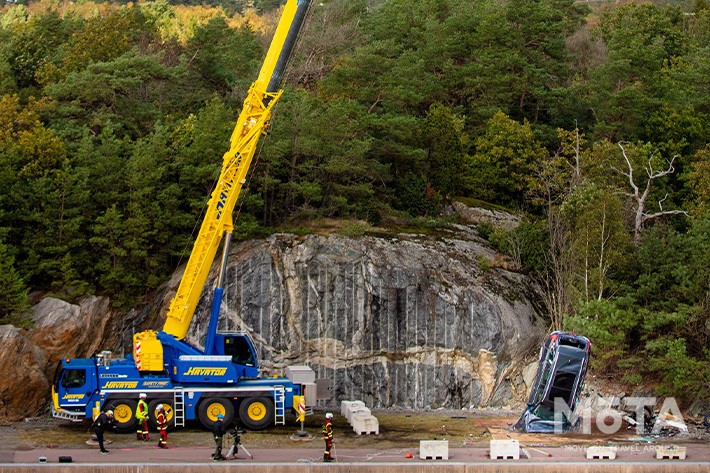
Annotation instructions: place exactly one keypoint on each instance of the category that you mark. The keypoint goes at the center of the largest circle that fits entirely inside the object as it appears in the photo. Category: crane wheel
(210, 407)
(124, 414)
(256, 413)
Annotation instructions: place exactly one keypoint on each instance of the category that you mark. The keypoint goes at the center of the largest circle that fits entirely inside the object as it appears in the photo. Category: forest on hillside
(592, 121)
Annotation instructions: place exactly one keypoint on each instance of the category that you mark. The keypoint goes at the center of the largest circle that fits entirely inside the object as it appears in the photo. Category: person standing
(218, 430)
(104, 421)
(162, 421)
(142, 417)
(328, 437)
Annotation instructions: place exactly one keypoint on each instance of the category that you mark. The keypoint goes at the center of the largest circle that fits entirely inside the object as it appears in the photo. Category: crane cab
(239, 346)
(74, 384)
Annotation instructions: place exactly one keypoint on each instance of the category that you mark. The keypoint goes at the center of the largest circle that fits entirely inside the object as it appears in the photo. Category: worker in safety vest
(142, 417)
(328, 437)
(162, 421)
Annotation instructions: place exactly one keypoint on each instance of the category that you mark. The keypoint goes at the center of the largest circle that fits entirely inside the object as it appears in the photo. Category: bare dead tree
(515, 241)
(553, 183)
(596, 261)
(576, 166)
(640, 197)
(330, 31)
(603, 263)
(559, 274)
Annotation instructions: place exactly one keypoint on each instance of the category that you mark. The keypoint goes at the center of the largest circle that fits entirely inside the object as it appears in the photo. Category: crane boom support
(251, 124)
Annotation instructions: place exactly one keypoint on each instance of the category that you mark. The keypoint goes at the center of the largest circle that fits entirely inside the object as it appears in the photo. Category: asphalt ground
(313, 453)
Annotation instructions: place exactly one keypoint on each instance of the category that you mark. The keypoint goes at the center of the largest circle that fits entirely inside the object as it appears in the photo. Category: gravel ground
(398, 429)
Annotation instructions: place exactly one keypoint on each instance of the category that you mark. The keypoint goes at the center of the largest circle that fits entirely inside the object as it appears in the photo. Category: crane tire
(210, 407)
(124, 414)
(256, 413)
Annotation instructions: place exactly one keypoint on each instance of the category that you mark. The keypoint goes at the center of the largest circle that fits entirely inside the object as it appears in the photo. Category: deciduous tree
(640, 192)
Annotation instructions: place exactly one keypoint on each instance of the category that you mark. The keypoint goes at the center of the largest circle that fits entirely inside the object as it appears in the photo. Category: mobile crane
(223, 378)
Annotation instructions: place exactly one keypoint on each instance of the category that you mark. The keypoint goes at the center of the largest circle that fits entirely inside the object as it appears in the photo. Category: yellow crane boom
(251, 124)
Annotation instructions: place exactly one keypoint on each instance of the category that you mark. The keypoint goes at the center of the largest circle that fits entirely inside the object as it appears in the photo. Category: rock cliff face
(21, 375)
(61, 330)
(410, 321)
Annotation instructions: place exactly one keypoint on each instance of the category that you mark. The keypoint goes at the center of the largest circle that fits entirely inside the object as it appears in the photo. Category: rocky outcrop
(405, 321)
(61, 330)
(478, 215)
(65, 330)
(24, 385)
(411, 322)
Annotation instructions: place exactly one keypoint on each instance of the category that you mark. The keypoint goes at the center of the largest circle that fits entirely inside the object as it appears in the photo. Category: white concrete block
(601, 453)
(365, 424)
(505, 449)
(434, 449)
(670, 452)
(349, 406)
(344, 407)
(355, 411)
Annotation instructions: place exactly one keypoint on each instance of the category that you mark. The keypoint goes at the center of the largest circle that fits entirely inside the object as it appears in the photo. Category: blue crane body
(223, 378)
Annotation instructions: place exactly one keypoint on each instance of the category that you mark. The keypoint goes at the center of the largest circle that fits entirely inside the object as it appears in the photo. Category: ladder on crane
(279, 405)
(179, 406)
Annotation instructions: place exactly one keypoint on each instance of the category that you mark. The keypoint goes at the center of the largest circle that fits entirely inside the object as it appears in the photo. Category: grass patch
(397, 429)
(299, 231)
(483, 205)
(353, 229)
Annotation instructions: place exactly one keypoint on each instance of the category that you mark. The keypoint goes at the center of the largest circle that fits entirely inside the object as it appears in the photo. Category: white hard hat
(329, 415)
(160, 407)
(109, 413)
(142, 395)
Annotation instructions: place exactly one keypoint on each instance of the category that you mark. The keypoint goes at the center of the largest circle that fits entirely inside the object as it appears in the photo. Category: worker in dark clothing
(104, 421)
(328, 437)
(218, 430)
(161, 419)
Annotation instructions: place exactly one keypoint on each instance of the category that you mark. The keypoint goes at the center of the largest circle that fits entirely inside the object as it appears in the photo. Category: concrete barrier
(365, 424)
(504, 450)
(433, 449)
(349, 406)
(670, 452)
(355, 411)
(345, 406)
(601, 453)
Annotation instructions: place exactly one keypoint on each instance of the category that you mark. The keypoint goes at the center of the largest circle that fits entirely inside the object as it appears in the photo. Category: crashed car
(560, 374)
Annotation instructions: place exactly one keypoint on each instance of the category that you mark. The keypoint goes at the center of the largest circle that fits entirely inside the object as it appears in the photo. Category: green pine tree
(14, 304)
